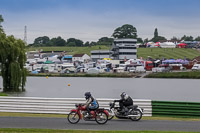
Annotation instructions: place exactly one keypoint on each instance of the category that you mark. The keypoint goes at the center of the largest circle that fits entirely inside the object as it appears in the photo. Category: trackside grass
(13, 130)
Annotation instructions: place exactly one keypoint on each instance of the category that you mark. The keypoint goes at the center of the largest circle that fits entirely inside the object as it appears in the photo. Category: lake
(137, 88)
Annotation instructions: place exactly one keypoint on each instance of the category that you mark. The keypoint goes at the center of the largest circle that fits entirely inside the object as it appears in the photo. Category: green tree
(75, 42)
(156, 33)
(12, 59)
(105, 41)
(197, 38)
(187, 38)
(57, 41)
(125, 31)
(41, 41)
(139, 40)
(157, 38)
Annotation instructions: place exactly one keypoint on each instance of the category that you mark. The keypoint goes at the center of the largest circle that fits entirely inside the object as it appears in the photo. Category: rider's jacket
(92, 103)
(126, 102)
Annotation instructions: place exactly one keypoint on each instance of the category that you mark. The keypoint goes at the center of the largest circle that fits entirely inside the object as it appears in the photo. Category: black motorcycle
(132, 112)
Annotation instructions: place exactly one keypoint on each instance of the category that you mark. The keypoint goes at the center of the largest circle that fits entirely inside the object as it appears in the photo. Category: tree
(197, 38)
(156, 33)
(12, 59)
(157, 38)
(105, 41)
(58, 41)
(125, 31)
(74, 42)
(187, 38)
(41, 41)
(139, 40)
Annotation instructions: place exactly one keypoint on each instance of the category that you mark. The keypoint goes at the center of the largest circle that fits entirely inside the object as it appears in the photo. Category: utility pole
(25, 35)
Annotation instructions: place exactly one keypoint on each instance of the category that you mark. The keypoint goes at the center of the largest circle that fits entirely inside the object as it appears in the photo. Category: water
(137, 88)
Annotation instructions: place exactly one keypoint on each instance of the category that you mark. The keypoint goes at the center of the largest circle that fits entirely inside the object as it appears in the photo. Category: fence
(182, 109)
(57, 105)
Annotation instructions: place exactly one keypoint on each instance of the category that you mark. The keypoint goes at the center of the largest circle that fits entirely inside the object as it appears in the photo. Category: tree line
(125, 31)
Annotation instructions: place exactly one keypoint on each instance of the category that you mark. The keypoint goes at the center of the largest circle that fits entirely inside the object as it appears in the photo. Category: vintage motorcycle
(132, 112)
(99, 115)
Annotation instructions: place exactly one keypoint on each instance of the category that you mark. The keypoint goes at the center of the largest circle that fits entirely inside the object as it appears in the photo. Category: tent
(167, 45)
(181, 45)
(48, 62)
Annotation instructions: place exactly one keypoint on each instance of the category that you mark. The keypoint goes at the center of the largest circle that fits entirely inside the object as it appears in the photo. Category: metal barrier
(57, 105)
(182, 109)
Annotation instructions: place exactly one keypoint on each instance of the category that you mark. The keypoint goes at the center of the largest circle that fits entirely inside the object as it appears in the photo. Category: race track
(62, 123)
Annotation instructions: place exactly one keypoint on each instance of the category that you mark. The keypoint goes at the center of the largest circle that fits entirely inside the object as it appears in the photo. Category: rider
(124, 102)
(91, 103)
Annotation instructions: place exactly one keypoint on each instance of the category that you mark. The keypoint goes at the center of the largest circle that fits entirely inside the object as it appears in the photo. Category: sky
(90, 20)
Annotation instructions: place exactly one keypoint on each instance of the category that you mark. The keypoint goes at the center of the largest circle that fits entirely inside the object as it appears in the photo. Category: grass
(14, 130)
(169, 53)
(185, 75)
(71, 50)
(3, 94)
(176, 53)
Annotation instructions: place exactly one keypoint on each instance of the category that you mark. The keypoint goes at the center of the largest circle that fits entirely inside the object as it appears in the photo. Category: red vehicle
(99, 115)
(148, 65)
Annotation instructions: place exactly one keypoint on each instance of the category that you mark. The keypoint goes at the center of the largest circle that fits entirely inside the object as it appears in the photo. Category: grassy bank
(14, 130)
(185, 75)
(113, 75)
(155, 53)
(71, 50)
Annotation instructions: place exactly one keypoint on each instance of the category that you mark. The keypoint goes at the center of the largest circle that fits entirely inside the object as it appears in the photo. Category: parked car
(196, 67)
(140, 69)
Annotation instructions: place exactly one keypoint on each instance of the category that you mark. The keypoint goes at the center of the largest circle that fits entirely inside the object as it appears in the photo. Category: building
(100, 54)
(81, 57)
(124, 49)
(121, 49)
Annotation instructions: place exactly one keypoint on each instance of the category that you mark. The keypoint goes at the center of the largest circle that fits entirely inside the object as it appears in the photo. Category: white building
(81, 57)
(100, 54)
(124, 49)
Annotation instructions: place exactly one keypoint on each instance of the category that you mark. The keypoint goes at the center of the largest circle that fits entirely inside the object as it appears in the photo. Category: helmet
(124, 95)
(87, 95)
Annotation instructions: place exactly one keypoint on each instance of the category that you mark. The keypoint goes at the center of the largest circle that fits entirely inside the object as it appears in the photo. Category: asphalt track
(62, 123)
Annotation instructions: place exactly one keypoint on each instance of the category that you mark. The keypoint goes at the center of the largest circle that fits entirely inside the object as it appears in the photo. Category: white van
(196, 67)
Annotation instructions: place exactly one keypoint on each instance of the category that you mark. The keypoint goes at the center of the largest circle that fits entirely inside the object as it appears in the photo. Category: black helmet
(87, 95)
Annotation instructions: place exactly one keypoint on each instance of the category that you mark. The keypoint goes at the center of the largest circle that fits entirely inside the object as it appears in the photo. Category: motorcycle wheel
(73, 117)
(110, 114)
(138, 117)
(101, 118)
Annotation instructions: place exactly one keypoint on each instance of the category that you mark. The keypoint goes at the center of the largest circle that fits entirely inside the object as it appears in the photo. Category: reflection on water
(155, 89)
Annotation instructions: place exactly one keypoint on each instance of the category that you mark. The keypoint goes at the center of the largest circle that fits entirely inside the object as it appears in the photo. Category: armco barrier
(182, 109)
(57, 105)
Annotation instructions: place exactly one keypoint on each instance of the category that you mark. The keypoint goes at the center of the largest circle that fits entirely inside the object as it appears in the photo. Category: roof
(196, 58)
(78, 55)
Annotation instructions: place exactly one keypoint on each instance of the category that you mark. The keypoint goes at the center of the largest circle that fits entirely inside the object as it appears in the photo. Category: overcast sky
(90, 20)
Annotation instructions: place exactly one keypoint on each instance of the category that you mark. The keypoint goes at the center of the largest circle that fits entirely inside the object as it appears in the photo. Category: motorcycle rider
(124, 102)
(91, 103)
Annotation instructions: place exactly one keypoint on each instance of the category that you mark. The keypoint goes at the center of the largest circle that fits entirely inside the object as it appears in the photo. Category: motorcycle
(132, 112)
(99, 115)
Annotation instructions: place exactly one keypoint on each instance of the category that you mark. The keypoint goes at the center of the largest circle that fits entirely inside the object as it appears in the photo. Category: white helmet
(124, 96)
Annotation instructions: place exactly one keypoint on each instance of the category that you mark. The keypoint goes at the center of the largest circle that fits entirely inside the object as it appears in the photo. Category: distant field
(176, 53)
(70, 50)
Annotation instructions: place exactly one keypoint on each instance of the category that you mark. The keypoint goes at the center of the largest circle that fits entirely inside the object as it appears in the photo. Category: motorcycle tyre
(71, 114)
(133, 119)
(97, 118)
